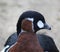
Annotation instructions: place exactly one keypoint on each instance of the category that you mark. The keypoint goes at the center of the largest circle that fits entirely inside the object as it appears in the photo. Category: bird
(38, 21)
(27, 40)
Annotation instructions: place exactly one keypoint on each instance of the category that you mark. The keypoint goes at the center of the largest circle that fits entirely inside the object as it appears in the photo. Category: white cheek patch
(40, 24)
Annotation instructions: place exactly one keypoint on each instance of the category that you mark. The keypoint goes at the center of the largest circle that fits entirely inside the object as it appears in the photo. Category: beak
(46, 26)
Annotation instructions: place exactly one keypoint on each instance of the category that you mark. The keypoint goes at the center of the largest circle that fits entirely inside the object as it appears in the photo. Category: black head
(38, 21)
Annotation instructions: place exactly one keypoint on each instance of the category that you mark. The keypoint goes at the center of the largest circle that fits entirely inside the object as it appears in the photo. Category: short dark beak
(46, 26)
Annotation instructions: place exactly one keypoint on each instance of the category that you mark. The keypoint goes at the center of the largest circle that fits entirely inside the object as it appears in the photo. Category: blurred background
(10, 10)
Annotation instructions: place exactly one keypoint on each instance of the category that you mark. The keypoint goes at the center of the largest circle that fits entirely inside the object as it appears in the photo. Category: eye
(40, 24)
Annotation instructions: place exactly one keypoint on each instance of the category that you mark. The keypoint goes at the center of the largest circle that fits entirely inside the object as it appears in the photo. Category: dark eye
(40, 24)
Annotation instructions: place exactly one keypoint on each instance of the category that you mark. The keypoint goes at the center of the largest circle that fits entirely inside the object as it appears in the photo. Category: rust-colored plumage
(27, 42)
(27, 25)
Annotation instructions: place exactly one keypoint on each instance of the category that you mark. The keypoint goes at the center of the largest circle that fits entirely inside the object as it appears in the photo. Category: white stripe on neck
(30, 19)
(23, 30)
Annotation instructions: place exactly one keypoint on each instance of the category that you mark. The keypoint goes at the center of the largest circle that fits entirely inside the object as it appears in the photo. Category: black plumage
(47, 43)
